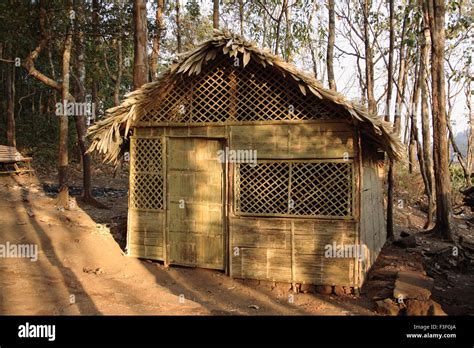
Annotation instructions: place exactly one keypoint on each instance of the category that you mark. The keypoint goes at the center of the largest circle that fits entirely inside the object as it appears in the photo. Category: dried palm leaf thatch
(108, 135)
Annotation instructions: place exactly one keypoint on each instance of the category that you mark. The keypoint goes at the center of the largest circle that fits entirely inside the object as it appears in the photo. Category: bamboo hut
(313, 188)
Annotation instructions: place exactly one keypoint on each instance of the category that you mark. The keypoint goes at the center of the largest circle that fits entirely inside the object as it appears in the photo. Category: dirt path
(82, 270)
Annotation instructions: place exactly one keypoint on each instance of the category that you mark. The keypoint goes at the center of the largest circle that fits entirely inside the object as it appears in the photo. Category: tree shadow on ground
(47, 253)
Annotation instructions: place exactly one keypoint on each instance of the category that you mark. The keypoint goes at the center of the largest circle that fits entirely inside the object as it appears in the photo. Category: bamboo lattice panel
(146, 186)
(225, 93)
(322, 189)
(263, 95)
(262, 189)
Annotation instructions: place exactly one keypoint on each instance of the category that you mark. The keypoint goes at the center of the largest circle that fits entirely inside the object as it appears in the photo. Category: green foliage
(457, 177)
(193, 9)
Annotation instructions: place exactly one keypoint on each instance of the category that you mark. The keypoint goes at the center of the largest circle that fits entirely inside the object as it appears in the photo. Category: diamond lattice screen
(225, 93)
(146, 185)
(263, 188)
(322, 189)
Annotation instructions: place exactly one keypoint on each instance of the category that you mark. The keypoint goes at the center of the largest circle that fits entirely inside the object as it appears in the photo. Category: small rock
(324, 289)
(387, 307)
(347, 290)
(412, 285)
(417, 307)
(406, 242)
(254, 306)
(304, 288)
(339, 290)
(435, 309)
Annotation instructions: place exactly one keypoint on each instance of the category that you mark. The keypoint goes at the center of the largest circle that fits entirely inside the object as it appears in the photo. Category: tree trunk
(312, 48)
(79, 120)
(288, 34)
(156, 40)
(413, 112)
(414, 121)
(436, 13)
(178, 27)
(241, 17)
(96, 41)
(470, 137)
(264, 15)
(278, 27)
(140, 36)
(401, 81)
(63, 197)
(369, 65)
(10, 96)
(391, 177)
(215, 15)
(425, 121)
(118, 79)
(330, 49)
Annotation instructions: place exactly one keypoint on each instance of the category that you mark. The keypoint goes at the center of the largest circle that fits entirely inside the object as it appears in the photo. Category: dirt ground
(82, 268)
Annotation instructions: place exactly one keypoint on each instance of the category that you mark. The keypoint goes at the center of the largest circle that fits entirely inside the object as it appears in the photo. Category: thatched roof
(109, 134)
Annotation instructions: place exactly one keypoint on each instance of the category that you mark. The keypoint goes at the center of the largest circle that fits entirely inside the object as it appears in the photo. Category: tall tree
(276, 20)
(470, 137)
(387, 117)
(330, 49)
(117, 76)
(241, 17)
(10, 96)
(288, 33)
(79, 120)
(215, 15)
(96, 42)
(140, 36)
(157, 39)
(63, 196)
(313, 48)
(436, 13)
(278, 26)
(179, 46)
(402, 74)
(425, 119)
(369, 63)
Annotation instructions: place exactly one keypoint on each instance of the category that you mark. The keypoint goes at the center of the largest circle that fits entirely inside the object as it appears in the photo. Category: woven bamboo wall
(372, 223)
(316, 167)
